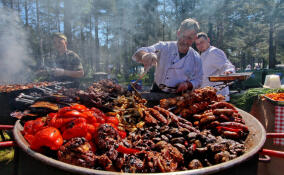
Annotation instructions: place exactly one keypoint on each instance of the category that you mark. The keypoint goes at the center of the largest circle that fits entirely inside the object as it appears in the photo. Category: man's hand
(149, 59)
(57, 72)
(228, 72)
(182, 87)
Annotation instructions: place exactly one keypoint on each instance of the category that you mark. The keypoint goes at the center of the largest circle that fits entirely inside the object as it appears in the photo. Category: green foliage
(245, 100)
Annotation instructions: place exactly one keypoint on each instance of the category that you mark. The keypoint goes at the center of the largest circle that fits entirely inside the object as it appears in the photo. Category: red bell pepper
(77, 130)
(29, 138)
(80, 108)
(97, 111)
(63, 110)
(123, 149)
(113, 120)
(60, 122)
(224, 128)
(73, 114)
(90, 116)
(122, 134)
(32, 126)
(49, 137)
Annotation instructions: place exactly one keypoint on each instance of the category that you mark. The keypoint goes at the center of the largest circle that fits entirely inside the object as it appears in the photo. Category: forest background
(106, 33)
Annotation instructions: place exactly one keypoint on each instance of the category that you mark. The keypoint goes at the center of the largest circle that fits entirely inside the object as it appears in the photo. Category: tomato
(49, 137)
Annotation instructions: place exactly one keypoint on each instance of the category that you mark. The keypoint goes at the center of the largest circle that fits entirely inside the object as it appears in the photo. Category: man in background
(67, 64)
(214, 63)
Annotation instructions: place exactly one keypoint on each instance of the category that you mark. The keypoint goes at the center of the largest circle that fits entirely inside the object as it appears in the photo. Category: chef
(178, 65)
(214, 63)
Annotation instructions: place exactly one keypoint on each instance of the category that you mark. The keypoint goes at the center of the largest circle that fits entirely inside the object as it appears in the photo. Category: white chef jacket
(171, 70)
(215, 62)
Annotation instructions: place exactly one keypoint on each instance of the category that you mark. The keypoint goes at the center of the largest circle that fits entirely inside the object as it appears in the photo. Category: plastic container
(272, 81)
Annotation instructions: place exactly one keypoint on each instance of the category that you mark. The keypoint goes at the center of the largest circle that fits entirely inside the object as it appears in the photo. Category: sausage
(227, 112)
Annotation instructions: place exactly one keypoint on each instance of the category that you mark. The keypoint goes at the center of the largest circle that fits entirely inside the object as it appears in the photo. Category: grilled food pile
(101, 94)
(15, 87)
(191, 131)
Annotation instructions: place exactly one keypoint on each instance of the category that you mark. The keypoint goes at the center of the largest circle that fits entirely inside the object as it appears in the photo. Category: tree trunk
(18, 6)
(67, 21)
(57, 12)
(26, 13)
(164, 19)
(91, 59)
(39, 60)
(220, 34)
(97, 43)
(272, 60)
(11, 4)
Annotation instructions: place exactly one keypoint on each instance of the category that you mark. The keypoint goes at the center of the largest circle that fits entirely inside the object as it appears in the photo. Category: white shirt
(171, 70)
(215, 62)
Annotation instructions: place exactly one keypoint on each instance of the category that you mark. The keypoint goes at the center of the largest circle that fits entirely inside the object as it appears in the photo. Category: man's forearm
(74, 74)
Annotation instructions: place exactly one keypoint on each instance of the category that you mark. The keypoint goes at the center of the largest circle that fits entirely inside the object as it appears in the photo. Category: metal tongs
(137, 93)
(224, 85)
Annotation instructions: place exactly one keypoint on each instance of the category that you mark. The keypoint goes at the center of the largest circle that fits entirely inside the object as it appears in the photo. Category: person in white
(214, 62)
(178, 65)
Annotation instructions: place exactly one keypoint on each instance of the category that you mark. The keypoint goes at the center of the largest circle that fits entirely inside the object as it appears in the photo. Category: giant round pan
(254, 143)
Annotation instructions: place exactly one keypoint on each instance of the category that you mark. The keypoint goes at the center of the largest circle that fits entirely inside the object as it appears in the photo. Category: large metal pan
(254, 143)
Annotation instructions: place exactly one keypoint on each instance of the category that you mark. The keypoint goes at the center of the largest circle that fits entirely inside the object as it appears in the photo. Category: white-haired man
(178, 66)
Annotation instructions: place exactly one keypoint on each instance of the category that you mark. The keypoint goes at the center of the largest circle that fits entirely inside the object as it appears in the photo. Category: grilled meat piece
(132, 164)
(195, 164)
(77, 151)
(107, 141)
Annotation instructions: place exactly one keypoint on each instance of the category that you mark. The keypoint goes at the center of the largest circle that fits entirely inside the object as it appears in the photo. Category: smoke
(13, 48)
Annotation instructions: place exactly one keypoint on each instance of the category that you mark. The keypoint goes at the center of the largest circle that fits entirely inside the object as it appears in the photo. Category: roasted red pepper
(223, 128)
(49, 137)
(73, 114)
(98, 112)
(113, 120)
(123, 149)
(79, 107)
(63, 110)
(77, 128)
(193, 146)
(29, 138)
(32, 126)
(60, 122)
(90, 116)
(122, 134)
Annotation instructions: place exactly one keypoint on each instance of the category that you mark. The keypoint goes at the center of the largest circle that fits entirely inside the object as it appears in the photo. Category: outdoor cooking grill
(248, 160)
(11, 98)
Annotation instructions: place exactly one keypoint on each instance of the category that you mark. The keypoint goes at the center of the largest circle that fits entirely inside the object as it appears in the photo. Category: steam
(13, 48)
